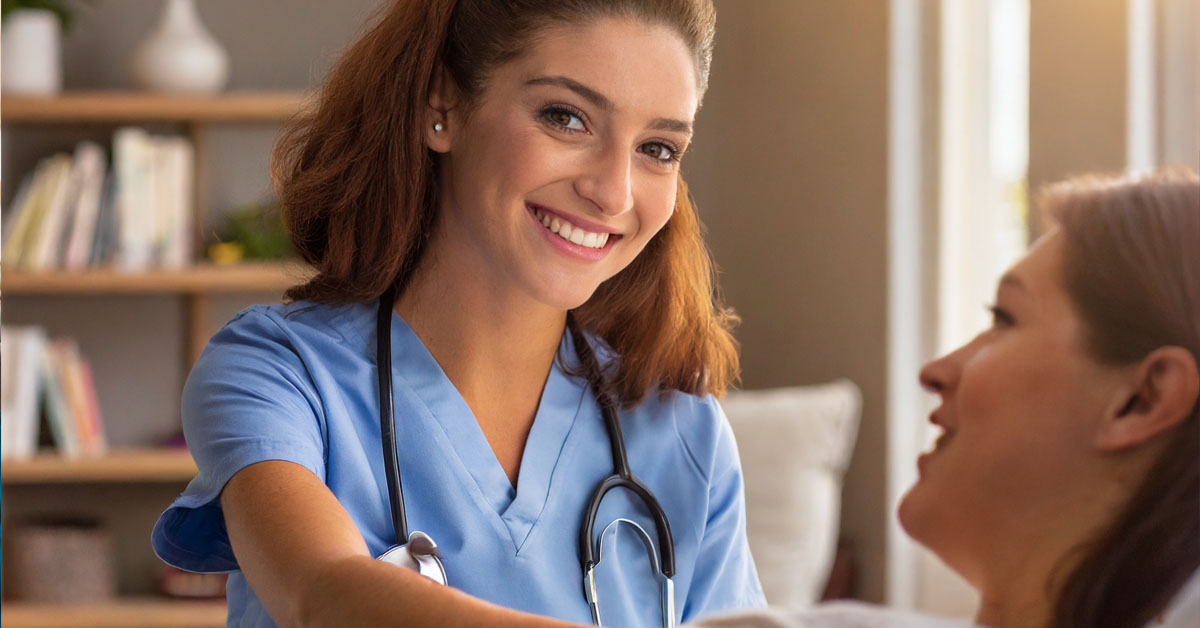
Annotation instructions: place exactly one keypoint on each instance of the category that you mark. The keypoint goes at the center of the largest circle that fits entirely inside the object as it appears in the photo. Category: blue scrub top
(298, 383)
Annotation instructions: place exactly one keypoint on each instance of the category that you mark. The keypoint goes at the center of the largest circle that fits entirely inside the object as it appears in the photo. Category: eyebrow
(1012, 281)
(601, 101)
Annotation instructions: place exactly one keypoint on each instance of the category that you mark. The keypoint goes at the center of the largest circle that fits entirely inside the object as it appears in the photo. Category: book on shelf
(90, 165)
(84, 210)
(47, 382)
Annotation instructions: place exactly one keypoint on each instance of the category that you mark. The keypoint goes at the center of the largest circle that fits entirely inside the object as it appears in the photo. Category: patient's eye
(1000, 316)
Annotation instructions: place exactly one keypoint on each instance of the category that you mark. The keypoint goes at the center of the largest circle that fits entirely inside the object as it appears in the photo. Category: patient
(1065, 486)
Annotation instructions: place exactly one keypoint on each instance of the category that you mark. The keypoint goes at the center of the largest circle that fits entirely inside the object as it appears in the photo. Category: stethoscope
(420, 552)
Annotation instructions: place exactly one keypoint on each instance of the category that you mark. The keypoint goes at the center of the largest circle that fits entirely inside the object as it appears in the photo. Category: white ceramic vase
(30, 58)
(180, 55)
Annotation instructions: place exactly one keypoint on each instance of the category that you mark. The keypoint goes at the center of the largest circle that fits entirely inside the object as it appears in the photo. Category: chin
(916, 517)
(904, 513)
(929, 520)
(564, 299)
(562, 292)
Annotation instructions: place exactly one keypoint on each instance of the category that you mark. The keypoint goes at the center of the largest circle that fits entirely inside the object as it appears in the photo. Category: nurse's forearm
(360, 591)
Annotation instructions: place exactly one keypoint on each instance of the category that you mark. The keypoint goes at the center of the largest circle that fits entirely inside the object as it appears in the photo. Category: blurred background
(864, 169)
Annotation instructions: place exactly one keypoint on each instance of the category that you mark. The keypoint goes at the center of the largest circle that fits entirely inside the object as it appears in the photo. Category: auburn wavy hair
(1132, 271)
(359, 194)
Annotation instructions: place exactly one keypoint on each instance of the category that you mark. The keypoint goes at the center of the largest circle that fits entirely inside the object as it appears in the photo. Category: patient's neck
(1022, 579)
(1003, 611)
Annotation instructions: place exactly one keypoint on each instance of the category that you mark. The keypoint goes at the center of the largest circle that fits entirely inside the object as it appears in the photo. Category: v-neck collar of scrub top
(415, 371)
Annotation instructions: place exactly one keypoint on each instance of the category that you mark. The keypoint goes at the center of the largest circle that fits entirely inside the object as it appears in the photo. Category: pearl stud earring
(437, 127)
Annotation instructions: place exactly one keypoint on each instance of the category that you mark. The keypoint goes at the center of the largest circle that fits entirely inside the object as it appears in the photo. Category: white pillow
(795, 444)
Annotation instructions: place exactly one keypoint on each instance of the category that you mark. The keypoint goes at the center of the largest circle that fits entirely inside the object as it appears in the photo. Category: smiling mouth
(571, 232)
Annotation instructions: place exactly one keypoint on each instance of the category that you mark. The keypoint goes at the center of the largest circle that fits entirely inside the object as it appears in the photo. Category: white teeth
(571, 233)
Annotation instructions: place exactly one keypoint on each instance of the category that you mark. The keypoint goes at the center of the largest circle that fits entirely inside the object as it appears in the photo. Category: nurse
(503, 176)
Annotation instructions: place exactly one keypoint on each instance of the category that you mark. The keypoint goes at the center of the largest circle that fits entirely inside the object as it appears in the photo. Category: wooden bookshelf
(134, 106)
(199, 279)
(135, 465)
(146, 612)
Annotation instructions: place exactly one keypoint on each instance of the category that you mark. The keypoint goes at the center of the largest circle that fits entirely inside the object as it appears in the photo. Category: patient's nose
(935, 376)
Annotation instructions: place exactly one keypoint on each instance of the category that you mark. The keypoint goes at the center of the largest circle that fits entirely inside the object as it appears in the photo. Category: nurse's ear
(1160, 393)
(438, 130)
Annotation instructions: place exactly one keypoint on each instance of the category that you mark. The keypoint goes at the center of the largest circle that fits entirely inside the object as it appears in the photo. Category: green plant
(258, 228)
(61, 8)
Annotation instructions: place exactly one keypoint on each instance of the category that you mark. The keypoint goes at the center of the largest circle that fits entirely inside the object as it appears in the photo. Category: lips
(938, 445)
(574, 230)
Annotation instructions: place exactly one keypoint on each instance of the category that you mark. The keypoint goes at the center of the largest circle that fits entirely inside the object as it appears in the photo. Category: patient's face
(1019, 405)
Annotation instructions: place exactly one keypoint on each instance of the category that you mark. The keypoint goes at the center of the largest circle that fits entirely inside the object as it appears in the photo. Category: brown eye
(659, 151)
(564, 118)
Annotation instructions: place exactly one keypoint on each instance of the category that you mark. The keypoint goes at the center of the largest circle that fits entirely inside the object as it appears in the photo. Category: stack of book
(46, 382)
(74, 212)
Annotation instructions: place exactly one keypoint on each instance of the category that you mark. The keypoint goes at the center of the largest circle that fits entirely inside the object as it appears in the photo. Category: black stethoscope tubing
(387, 413)
(622, 476)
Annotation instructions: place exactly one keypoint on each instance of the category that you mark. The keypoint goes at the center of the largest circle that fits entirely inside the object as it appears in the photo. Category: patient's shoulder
(833, 615)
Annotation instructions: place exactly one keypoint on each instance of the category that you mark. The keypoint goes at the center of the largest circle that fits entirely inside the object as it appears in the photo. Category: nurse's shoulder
(297, 325)
(699, 422)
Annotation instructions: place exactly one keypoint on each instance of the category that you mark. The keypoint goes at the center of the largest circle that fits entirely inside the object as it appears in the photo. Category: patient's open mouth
(938, 446)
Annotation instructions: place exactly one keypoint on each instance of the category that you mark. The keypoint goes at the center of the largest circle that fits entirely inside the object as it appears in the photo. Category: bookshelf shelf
(130, 106)
(199, 279)
(146, 612)
(134, 465)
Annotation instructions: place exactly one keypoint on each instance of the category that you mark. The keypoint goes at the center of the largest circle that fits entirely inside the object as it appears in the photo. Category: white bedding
(1184, 612)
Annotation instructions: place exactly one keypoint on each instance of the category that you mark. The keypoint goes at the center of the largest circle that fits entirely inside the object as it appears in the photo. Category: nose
(608, 181)
(938, 375)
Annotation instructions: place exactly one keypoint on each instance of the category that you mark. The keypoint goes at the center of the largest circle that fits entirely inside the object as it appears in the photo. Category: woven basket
(60, 562)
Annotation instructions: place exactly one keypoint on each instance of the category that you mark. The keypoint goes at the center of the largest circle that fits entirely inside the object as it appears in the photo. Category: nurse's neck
(495, 345)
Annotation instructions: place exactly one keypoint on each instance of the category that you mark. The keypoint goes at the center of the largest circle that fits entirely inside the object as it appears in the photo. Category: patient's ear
(1161, 393)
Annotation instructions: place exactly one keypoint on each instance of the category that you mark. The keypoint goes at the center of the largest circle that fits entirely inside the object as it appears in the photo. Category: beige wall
(789, 171)
(1077, 78)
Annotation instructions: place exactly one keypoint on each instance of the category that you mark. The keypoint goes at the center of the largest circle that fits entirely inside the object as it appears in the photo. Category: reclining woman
(1065, 486)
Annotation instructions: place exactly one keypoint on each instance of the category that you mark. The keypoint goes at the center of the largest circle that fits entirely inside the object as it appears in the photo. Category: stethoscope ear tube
(666, 546)
(387, 417)
(622, 477)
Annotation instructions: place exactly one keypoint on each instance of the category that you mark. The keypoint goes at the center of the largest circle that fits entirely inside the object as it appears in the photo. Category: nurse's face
(1019, 408)
(567, 165)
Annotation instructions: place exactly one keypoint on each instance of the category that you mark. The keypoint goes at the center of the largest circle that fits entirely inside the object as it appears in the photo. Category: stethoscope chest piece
(420, 554)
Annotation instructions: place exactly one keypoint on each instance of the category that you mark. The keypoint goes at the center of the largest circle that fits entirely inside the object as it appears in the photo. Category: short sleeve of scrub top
(298, 383)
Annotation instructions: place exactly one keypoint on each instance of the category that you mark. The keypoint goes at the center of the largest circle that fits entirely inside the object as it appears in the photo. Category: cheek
(655, 204)
(503, 159)
(1020, 438)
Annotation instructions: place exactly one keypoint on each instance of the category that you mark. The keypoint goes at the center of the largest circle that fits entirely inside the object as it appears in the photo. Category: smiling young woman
(513, 313)
(362, 187)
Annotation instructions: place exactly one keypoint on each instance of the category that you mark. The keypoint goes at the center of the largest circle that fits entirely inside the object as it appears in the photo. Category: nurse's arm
(309, 565)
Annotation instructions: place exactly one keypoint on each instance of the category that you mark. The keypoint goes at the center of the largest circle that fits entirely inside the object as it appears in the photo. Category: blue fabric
(297, 383)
